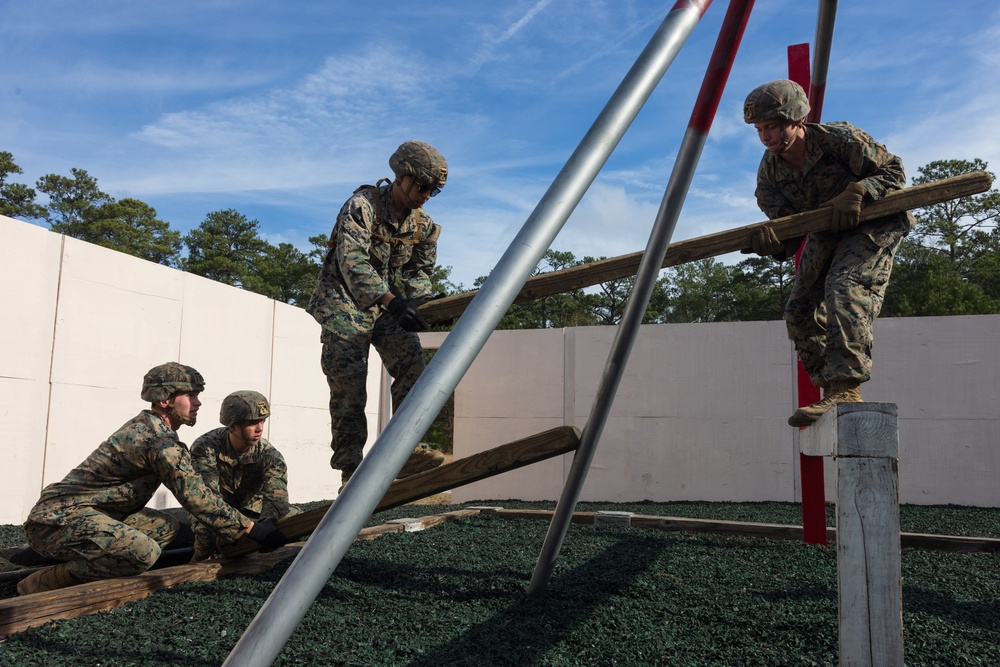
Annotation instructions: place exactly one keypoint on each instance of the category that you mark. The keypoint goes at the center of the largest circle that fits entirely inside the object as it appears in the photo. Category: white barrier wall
(700, 413)
(82, 326)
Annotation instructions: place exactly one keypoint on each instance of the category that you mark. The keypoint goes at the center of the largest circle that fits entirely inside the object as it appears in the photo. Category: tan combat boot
(47, 579)
(344, 476)
(423, 458)
(838, 391)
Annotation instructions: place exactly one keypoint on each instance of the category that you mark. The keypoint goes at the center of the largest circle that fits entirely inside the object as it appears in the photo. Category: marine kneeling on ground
(240, 465)
(96, 521)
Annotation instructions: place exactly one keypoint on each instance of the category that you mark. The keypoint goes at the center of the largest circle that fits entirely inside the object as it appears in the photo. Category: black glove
(406, 314)
(267, 534)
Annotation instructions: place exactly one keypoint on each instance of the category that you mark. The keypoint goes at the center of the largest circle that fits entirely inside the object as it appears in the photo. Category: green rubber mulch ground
(454, 595)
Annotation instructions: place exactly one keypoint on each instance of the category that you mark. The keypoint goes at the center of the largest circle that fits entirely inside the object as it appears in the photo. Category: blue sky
(279, 110)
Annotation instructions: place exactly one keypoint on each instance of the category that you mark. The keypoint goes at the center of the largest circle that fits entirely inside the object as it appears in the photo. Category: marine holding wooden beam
(376, 274)
(843, 272)
(96, 521)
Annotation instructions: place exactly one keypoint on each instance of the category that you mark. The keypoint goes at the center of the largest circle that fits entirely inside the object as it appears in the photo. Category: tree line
(948, 265)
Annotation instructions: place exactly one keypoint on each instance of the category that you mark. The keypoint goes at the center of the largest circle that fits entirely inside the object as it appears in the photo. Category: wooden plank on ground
(721, 243)
(931, 542)
(28, 611)
(513, 455)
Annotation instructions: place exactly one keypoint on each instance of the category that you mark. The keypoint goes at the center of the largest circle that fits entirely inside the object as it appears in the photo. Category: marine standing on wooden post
(96, 519)
(376, 274)
(843, 273)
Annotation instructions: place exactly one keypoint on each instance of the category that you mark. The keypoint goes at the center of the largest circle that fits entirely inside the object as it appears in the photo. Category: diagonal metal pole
(821, 58)
(290, 600)
(649, 267)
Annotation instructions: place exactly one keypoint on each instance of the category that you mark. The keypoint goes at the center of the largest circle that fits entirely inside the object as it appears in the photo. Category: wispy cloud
(280, 111)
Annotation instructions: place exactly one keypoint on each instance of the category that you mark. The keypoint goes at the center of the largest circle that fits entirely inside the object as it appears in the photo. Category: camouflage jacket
(836, 154)
(122, 474)
(240, 478)
(367, 255)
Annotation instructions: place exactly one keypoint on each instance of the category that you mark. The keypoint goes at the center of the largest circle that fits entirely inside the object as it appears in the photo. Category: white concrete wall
(82, 325)
(700, 413)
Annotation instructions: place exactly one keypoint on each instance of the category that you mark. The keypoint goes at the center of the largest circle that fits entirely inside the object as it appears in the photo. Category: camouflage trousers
(838, 293)
(345, 364)
(97, 546)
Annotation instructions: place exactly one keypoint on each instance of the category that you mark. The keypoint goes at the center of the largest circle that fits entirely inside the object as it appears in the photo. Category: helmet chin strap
(787, 143)
(409, 201)
(237, 434)
(171, 412)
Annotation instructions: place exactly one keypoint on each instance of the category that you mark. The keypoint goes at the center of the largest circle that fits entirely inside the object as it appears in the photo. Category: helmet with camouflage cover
(163, 381)
(781, 99)
(244, 406)
(420, 160)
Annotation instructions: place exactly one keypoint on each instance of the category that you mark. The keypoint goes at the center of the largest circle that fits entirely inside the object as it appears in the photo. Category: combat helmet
(244, 406)
(163, 381)
(782, 99)
(420, 160)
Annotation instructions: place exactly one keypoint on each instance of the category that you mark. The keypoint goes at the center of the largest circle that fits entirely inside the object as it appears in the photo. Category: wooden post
(864, 441)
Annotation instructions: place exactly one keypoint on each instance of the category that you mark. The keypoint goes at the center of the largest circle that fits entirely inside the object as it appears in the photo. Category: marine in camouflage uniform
(96, 519)
(843, 273)
(377, 272)
(248, 472)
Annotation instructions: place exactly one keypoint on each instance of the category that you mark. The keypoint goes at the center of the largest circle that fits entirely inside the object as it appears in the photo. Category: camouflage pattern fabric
(345, 363)
(244, 406)
(102, 502)
(255, 482)
(368, 256)
(843, 276)
(99, 547)
(836, 297)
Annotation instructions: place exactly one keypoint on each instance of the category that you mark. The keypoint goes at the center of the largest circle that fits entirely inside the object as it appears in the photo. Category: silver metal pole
(649, 268)
(824, 40)
(288, 603)
(821, 58)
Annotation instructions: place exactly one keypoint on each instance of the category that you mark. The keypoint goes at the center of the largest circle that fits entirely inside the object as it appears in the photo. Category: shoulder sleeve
(352, 240)
(769, 197)
(419, 270)
(204, 459)
(878, 170)
(172, 463)
(275, 486)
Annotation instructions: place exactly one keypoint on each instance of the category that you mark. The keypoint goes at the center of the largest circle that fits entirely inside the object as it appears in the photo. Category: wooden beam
(29, 611)
(771, 531)
(721, 243)
(460, 472)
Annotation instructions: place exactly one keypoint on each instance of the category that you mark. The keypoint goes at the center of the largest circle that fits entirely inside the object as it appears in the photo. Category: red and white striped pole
(811, 475)
(649, 267)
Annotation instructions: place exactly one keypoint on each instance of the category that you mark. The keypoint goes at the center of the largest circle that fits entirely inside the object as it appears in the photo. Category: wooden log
(773, 531)
(676, 524)
(460, 472)
(720, 243)
(29, 611)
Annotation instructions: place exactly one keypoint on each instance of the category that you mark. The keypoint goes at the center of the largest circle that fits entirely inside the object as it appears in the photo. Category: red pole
(810, 467)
